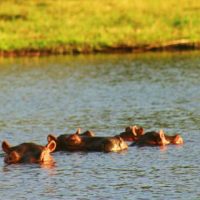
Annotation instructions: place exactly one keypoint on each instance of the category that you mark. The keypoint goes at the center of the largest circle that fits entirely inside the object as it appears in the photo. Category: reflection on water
(104, 93)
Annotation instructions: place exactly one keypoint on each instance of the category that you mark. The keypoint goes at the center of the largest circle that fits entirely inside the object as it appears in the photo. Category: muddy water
(104, 93)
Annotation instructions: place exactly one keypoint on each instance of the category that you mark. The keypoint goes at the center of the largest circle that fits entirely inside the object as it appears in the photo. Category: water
(104, 93)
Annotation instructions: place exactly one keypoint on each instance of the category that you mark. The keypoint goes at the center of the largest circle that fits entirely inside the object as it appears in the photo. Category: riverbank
(170, 46)
(48, 27)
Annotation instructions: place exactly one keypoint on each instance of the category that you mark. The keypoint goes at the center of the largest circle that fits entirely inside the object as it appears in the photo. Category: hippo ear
(138, 130)
(78, 131)
(163, 138)
(51, 146)
(161, 133)
(134, 130)
(5, 146)
(51, 137)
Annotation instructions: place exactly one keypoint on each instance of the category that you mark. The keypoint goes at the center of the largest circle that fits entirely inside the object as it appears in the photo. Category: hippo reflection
(77, 142)
(28, 152)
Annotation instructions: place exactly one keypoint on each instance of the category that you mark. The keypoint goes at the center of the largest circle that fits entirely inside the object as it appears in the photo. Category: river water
(103, 93)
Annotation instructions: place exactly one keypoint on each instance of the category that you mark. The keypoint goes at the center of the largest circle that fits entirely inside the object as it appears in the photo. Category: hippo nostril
(13, 157)
(8, 159)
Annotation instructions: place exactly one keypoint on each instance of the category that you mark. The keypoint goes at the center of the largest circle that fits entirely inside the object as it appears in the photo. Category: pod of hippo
(87, 141)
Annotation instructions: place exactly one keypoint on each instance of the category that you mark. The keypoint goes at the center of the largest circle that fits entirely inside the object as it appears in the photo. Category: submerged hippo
(77, 142)
(174, 139)
(137, 133)
(152, 138)
(61, 140)
(132, 133)
(28, 152)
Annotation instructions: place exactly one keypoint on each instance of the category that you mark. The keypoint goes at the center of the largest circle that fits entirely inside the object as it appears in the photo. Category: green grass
(49, 24)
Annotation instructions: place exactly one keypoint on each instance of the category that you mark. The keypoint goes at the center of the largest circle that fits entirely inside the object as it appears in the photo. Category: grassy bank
(66, 26)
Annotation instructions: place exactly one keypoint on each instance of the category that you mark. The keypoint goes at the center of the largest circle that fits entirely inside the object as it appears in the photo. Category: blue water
(104, 93)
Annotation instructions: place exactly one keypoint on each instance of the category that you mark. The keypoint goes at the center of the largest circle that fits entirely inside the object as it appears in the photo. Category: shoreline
(173, 46)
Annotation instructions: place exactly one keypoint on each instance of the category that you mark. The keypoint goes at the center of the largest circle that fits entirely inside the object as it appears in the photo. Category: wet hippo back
(105, 144)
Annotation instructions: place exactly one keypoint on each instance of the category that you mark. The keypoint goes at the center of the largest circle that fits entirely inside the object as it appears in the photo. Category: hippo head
(175, 139)
(152, 138)
(65, 141)
(156, 138)
(132, 133)
(27, 152)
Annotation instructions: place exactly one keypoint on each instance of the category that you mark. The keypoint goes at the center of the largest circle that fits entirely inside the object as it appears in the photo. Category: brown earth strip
(179, 45)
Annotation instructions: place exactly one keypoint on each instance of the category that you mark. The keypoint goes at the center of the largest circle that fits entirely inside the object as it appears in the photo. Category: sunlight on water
(104, 93)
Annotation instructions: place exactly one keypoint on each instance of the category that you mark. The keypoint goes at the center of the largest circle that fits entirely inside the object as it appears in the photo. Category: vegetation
(76, 25)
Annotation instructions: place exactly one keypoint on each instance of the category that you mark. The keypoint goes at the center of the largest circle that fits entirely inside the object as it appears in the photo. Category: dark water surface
(104, 93)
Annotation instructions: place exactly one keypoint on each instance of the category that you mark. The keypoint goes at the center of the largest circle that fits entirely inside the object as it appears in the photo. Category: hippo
(152, 138)
(77, 142)
(132, 133)
(61, 139)
(28, 152)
